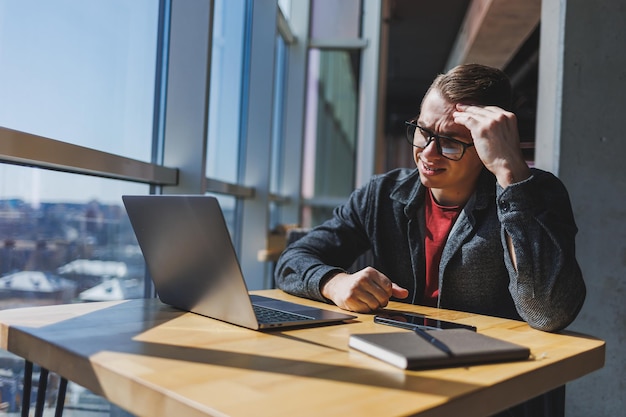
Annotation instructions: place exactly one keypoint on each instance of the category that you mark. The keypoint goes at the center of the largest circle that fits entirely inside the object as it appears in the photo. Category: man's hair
(475, 84)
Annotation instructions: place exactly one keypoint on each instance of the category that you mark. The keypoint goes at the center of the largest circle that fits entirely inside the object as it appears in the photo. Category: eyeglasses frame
(434, 136)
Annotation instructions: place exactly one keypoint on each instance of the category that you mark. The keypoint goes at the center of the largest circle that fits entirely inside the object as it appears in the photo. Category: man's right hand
(362, 292)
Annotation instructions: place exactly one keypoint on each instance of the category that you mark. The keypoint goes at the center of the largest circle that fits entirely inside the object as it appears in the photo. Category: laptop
(194, 266)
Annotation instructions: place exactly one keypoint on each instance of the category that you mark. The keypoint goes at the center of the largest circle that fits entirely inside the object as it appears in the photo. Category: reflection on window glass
(331, 125)
(226, 90)
(81, 72)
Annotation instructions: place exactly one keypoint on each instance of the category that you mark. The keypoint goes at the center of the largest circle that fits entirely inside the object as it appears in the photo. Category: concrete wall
(581, 137)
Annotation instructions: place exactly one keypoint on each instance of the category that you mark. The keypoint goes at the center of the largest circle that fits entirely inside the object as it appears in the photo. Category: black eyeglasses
(447, 147)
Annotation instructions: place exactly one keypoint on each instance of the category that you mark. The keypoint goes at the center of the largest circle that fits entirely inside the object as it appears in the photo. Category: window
(332, 108)
(278, 138)
(68, 73)
(63, 245)
(82, 73)
(227, 64)
(225, 103)
(331, 137)
(118, 80)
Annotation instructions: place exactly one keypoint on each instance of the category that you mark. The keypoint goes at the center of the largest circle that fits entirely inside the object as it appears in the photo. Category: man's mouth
(431, 169)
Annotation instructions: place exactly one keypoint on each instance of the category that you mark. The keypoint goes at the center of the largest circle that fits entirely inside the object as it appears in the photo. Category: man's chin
(430, 181)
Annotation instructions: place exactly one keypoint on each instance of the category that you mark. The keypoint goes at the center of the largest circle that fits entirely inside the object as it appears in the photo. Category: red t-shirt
(439, 221)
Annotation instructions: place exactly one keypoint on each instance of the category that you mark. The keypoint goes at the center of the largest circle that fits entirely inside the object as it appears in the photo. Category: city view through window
(82, 73)
(59, 251)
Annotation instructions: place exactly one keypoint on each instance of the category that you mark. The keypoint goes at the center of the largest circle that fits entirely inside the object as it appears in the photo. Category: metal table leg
(61, 398)
(41, 392)
(28, 383)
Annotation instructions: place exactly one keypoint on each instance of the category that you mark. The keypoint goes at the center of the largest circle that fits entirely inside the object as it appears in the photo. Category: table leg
(61, 398)
(27, 386)
(41, 392)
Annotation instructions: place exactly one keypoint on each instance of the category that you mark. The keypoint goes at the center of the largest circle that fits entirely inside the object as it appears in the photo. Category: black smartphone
(411, 321)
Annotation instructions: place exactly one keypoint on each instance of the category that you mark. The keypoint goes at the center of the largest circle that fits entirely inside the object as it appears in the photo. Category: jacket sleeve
(547, 286)
(327, 249)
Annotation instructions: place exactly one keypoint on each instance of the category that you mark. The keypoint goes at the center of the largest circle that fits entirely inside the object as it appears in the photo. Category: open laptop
(194, 267)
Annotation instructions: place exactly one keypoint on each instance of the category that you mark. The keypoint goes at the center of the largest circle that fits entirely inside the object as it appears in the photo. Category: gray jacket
(476, 273)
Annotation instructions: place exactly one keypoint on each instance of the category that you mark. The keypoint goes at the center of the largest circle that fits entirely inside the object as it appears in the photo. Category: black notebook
(408, 350)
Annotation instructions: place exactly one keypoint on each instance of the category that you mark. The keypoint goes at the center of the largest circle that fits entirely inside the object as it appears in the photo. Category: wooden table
(154, 360)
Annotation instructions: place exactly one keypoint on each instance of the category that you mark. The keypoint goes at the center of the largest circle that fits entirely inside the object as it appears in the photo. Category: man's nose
(431, 149)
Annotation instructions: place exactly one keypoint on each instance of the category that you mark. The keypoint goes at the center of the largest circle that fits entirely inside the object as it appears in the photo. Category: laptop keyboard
(268, 315)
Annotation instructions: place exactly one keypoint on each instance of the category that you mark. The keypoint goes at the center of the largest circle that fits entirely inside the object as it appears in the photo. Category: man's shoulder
(398, 184)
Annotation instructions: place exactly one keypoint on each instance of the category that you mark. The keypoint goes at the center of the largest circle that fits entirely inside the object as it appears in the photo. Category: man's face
(452, 182)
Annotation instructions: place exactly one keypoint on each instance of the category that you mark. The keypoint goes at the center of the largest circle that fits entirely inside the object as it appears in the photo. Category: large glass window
(331, 131)
(81, 72)
(224, 133)
(277, 152)
(332, 107)
(227, 60)
(64, 239)
(64, 245)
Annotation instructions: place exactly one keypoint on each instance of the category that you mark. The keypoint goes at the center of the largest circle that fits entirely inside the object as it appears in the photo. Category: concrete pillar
(581, 137)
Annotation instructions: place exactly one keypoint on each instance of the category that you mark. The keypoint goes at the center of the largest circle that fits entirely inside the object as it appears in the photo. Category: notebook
(192, 262)
(408, 350)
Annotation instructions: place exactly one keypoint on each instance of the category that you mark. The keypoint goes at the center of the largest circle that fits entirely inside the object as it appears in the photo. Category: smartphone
(411, 321)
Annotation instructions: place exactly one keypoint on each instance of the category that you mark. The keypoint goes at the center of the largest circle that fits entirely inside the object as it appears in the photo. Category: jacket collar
(410, 192)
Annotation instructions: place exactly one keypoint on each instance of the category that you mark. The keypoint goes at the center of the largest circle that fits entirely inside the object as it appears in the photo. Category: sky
(80, 72)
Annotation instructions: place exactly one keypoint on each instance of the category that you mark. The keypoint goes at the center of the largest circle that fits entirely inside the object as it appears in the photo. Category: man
(472, 228)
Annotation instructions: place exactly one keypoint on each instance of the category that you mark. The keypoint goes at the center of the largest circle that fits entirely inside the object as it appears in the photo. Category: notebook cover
(407, 350)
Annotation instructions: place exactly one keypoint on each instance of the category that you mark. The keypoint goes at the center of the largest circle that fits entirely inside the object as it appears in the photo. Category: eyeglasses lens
(420, 138)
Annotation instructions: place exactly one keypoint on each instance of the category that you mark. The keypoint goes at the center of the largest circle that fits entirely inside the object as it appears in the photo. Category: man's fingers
(479, 110)
(399, 292)
(364, 291)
